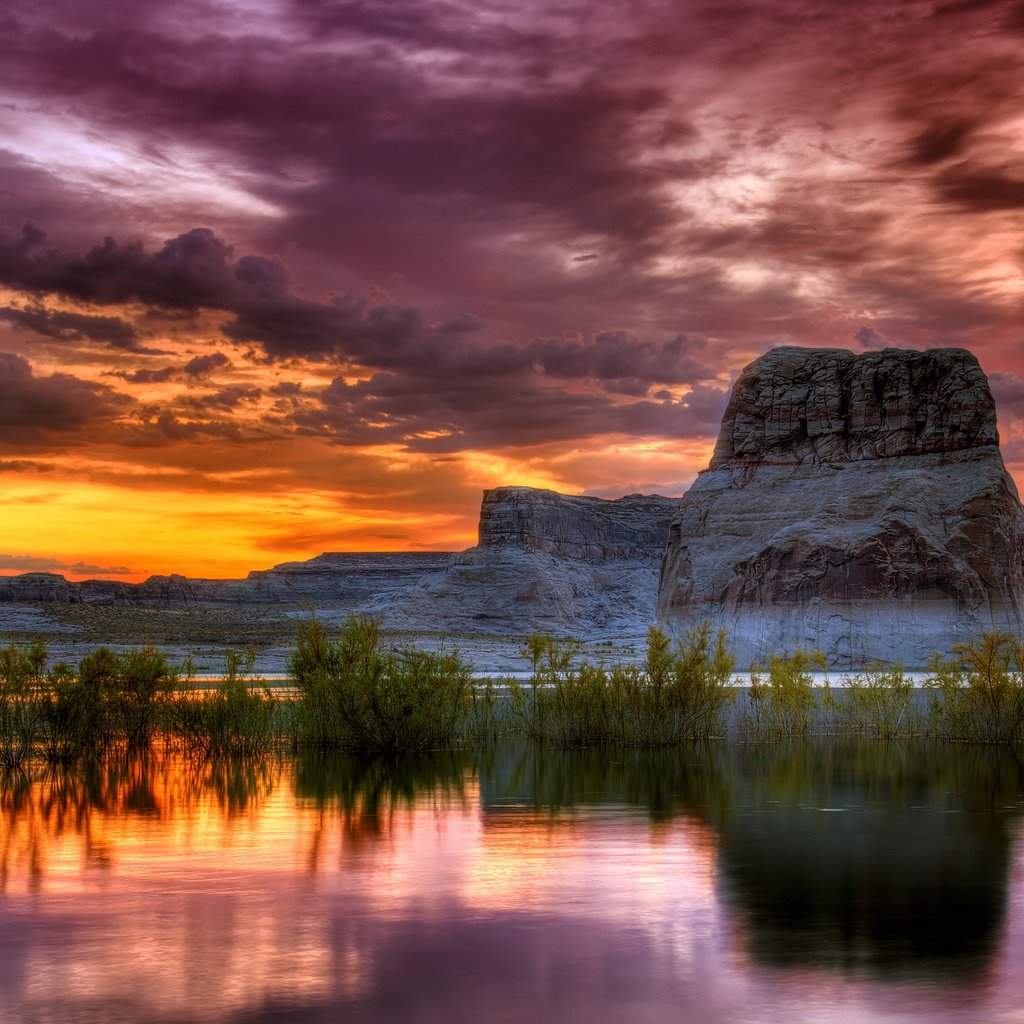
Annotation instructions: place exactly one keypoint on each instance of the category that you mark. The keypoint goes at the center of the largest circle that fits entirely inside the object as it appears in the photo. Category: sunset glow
(283, 278)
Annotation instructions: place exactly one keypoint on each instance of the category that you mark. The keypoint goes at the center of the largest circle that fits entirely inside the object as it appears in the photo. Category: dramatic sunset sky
(286, 276)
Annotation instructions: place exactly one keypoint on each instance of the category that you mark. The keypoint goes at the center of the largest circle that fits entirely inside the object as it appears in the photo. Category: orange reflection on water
(169, 885)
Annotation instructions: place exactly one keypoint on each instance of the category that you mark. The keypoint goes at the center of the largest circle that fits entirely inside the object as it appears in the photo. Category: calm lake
(872, 882)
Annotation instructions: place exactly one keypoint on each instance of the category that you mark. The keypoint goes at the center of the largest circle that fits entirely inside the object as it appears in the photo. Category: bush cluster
(352, 694)
(355, 696)
(677, 694)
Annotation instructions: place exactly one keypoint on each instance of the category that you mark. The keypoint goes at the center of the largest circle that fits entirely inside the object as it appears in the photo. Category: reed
(977, 696)
(679, 693)
(355, 696)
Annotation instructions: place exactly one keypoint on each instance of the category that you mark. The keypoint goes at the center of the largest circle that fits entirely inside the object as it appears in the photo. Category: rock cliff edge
(854, 503)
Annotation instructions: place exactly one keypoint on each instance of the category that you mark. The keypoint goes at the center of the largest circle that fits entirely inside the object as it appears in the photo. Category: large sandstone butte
(549, 561)
(854, 503)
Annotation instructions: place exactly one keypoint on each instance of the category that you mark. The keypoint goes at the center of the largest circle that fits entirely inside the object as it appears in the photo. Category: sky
(280, 277)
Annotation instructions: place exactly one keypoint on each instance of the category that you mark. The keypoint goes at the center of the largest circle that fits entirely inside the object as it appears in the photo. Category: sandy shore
(206, 632)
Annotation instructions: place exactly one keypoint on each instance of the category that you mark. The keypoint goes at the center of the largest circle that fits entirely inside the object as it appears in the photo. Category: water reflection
(855, 882)
(874, 858)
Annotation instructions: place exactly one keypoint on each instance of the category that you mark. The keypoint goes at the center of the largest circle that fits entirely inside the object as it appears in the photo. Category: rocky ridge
(354, 579)
(552, 562)
(855, 504)
(543, 561)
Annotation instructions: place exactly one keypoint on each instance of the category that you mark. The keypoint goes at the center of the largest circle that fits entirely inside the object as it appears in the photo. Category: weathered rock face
(572, 526)
(544, 561)
(549, 561)
(32, 587)
(356, 579)
(857, 504)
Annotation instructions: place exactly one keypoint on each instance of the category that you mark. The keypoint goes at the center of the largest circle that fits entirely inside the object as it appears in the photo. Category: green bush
(238, 718)
(878, 702)
(143, 681)
(978, 694)
(676, 695)
(783, 704)
(21, 675)
(354, 696)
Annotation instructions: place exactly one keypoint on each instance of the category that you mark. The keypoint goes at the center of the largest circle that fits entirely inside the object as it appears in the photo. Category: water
(815, 883)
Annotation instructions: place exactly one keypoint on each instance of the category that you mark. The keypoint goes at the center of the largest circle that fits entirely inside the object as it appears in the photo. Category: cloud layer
(481, 239)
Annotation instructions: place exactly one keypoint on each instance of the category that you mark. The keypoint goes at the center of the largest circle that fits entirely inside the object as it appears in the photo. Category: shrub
(238, 718)
(676, 695)
(21, 675)
(143, 680)
(353, 695)
(878, 702)
(978, 695)
(783, 704)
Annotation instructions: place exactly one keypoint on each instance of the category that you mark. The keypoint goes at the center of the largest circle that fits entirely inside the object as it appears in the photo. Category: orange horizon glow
(547, 246)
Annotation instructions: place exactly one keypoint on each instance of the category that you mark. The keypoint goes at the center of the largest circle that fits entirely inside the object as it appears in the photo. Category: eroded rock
(552, 562)
(855, 504)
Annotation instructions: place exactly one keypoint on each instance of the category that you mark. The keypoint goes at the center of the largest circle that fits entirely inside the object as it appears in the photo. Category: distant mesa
(549, 561)
(544, 561)
(854, 503)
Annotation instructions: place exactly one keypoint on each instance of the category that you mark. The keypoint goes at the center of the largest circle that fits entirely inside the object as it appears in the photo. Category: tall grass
(978, 694)
(240, 718)
(357, 697)
(679, 693)
(21, 674)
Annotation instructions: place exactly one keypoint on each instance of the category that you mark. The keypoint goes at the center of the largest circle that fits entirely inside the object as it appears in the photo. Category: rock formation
(855, 504)
(335, 579)
(544, 561)
(549, 561)
(33, 587)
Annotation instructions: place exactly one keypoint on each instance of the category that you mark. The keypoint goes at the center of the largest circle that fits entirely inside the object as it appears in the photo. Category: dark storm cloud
(200, 366)
(146, 376)
(981, 190)
(539, 170)
(111, 330)
(448, 414)
(190, 272)
(940, 141)
(462, 147)
(37, 410)
(228, 398)
(615, 356)
(196, 271)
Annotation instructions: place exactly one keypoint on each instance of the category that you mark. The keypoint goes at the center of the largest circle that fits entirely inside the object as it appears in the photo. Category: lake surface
(812, 883)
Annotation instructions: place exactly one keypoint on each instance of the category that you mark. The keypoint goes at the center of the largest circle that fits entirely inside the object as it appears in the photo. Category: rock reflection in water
(809, 882)
(872, 857)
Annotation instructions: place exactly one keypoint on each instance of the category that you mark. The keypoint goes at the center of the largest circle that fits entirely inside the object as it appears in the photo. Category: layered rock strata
(855, 504)
(353, 579)
(549, 561)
